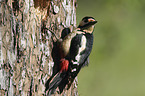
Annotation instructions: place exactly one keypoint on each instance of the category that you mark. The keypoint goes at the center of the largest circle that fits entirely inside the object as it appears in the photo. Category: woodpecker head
(87, 24)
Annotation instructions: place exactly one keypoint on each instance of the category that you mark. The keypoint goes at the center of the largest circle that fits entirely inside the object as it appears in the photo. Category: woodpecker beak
(92, 21)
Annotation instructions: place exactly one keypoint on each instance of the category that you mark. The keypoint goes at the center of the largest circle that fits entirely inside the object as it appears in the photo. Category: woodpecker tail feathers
(55, 81)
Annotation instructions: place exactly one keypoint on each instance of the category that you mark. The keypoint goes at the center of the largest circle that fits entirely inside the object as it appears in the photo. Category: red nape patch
(64, 65)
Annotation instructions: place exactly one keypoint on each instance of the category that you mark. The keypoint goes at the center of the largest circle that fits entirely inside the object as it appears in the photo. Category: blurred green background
(117, 61)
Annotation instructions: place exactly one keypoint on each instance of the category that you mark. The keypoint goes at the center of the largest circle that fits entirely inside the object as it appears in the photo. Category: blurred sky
(117, 61)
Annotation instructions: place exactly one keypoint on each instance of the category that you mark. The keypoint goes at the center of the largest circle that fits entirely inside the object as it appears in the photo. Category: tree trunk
(26, 44)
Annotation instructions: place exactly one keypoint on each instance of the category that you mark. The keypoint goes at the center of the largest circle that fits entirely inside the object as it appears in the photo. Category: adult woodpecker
(75, 49)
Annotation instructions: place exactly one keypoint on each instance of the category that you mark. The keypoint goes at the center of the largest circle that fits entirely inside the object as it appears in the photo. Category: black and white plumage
(80, 49)
(81, 45)
(74, 48)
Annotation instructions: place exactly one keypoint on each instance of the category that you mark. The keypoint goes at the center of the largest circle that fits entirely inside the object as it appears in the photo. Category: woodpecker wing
(80, 49)
(85, 53)
(75, 45)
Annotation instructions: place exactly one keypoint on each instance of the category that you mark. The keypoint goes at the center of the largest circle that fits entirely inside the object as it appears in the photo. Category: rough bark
(26, 44)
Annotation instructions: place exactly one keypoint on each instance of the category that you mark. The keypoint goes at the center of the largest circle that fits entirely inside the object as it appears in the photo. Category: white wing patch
(82, 48)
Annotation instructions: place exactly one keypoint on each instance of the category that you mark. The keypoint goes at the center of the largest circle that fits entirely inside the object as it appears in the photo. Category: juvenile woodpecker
(75, 49)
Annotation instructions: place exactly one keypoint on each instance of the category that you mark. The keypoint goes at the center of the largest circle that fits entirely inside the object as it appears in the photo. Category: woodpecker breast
(65, 44)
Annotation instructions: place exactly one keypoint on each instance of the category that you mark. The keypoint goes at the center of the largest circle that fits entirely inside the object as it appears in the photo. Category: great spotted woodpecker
(75, 49)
